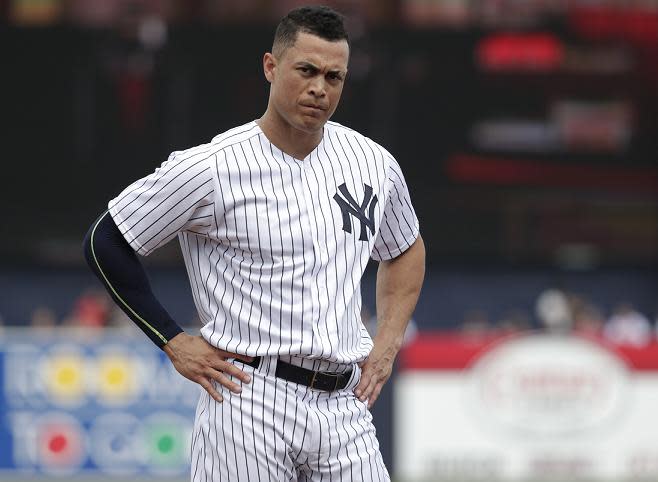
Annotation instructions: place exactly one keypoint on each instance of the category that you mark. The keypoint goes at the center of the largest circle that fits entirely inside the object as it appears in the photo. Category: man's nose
(317, 87)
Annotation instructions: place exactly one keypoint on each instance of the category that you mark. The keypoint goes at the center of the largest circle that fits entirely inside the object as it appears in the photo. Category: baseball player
(277, 220)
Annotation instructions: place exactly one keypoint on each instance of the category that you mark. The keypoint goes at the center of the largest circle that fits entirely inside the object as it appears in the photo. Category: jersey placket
(314, 228)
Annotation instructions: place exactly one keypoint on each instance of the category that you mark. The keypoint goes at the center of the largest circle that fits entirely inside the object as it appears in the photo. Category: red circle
(57, 443)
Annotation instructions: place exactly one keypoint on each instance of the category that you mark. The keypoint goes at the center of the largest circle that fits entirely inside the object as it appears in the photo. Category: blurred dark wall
(85, 112)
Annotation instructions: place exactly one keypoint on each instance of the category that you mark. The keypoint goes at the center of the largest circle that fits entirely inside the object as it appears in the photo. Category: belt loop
(312, 384)
(269, 364)
(355, 376)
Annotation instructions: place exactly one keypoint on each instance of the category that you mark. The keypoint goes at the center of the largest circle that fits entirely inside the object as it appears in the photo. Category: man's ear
(269, 66)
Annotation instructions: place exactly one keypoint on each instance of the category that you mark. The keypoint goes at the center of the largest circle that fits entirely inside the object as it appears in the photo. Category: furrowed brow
(308, 65)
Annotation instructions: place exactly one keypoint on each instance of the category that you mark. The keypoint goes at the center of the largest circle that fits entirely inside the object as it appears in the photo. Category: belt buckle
(336, 377)
(312, 384)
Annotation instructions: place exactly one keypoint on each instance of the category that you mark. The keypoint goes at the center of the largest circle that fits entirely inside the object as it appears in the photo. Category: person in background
(627, 326)
(43, 320)
(476, 325)
(91, 309)
(588, 319)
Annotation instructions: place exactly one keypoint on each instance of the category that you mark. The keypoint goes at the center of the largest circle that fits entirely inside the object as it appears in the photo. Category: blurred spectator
(475, 325)
(588, 319)
(91, 309)
(514, 321)
(627, 326)
(43, 319)
(553, 310)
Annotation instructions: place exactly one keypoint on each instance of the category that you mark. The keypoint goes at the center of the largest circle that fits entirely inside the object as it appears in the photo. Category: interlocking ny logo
(350, 206)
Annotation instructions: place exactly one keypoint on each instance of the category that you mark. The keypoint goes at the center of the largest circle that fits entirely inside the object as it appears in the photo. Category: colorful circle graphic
(167, 438)
(63, 375)
(116, 443)
(60, 443)
(117, 382)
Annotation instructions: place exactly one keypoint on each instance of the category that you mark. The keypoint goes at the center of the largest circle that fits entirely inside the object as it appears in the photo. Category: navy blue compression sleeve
(115, 263)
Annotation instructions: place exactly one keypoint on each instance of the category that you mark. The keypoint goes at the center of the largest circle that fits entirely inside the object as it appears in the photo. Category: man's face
(307, 81)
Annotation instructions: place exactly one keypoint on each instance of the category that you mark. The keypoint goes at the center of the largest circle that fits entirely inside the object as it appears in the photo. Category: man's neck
(294, 142)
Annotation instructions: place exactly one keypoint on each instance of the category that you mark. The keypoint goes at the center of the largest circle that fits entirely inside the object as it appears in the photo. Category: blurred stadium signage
(535, 52)
(105, 405)
(531, 406)
(542, 386)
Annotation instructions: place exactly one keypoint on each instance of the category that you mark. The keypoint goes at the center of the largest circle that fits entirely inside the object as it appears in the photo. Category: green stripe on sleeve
(93, 252)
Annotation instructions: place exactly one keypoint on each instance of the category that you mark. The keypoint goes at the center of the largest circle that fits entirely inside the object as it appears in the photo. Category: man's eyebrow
(338, 71)
(306, 63)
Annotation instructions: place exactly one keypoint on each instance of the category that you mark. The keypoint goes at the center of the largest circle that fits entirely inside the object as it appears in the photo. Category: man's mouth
(314, 106)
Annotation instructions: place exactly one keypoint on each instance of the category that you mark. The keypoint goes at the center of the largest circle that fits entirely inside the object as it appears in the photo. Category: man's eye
(304, 70)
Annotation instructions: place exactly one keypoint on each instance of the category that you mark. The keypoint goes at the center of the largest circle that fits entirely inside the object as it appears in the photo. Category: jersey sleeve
(178, 196)
(399, 225)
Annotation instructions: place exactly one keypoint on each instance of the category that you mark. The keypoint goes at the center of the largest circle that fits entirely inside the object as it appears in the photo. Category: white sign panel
(535, 406)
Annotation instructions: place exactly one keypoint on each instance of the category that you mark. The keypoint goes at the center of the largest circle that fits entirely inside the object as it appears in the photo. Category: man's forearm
(116, 265)
(398, 286)
(399, 281)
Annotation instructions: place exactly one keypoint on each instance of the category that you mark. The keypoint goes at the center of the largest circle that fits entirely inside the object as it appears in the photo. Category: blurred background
(528, 134)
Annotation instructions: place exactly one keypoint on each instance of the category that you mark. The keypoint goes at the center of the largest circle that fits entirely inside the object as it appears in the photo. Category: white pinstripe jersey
(275, 247)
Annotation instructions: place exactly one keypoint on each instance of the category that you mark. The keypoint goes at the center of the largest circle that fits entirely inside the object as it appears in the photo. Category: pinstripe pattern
(275, 268)
(288, 433)
(271, 269)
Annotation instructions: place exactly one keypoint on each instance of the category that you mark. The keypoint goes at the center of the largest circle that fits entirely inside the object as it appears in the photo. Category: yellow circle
(64, 378)
(117, 379)
(115, 376)
(67, 375)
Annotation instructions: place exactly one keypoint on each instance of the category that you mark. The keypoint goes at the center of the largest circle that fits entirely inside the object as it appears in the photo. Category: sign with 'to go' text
(106, 405)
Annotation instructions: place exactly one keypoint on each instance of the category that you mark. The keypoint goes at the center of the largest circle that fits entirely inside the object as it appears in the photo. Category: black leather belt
(325, 381)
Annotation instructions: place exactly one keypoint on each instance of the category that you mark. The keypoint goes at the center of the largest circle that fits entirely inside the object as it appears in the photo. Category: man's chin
(312, 125)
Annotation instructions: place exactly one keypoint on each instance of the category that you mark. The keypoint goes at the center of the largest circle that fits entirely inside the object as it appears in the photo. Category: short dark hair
(323, 22)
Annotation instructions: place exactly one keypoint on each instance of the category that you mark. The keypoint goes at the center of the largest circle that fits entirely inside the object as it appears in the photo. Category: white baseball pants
(278, 431)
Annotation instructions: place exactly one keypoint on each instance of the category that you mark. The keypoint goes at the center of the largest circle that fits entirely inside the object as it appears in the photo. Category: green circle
(166, 444)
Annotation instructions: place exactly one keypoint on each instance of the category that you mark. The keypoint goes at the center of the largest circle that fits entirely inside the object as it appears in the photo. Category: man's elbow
(419, 245)
(416, 252)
